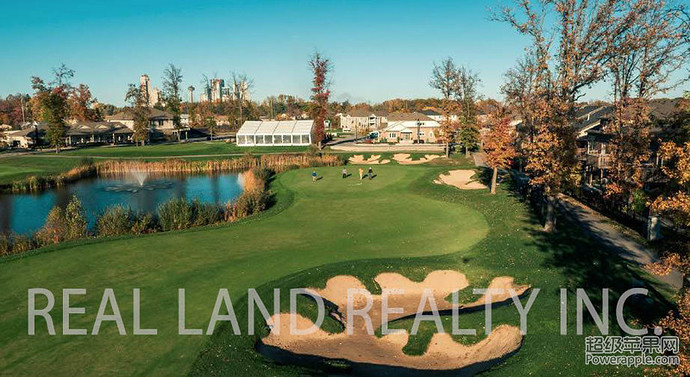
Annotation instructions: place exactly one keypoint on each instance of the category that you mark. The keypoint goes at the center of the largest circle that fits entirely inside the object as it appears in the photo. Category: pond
(24, 213)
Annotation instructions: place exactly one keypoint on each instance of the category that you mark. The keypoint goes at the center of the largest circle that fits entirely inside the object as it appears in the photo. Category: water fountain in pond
(140, 176)
(140, 184)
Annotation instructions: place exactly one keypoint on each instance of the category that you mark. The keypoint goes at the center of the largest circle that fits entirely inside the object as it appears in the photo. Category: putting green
(330, 220)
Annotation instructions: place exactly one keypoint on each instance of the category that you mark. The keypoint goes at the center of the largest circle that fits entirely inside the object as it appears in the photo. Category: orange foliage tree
(499, 144)
(676, 205)
(569, 55)
(320, 67)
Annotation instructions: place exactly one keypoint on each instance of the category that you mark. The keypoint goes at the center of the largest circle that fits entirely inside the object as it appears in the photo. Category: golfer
(313, 176)
(370, 173)
(344, 173)
(361, 174)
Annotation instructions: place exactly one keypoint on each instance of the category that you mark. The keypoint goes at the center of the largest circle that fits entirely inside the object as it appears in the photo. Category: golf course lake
(23, 213)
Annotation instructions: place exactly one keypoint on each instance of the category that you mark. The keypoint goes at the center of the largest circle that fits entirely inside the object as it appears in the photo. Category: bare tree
(445, 78)
(648, 54)
(241, 86)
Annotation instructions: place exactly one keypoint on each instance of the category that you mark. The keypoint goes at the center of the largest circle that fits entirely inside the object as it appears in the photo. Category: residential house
(408, 128)
(160, 122)
(593, 139)
(34, 134)
(433, 114)
(362, 121)
(98, 133)
(25, 137)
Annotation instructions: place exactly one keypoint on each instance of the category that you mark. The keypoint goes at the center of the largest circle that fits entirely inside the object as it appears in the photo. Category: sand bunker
(461, 179)
(404, 159)
(358, 159)
(443, 352)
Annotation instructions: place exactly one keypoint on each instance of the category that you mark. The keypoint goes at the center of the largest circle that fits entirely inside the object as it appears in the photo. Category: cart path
(599, 227)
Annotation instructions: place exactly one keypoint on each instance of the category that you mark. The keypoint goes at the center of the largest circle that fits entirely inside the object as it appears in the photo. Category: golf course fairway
(312, 224)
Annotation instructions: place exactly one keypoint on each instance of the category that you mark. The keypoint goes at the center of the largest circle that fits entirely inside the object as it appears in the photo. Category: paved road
(369, 148)
(599, 226)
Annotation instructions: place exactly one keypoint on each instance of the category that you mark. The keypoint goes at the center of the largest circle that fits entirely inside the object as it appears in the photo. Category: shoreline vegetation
(176, 214)
(87, 168)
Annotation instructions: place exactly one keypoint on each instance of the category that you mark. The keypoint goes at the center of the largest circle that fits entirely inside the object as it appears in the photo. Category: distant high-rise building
(191, 94)
(152, 95)
(217, 86)
(243, 92)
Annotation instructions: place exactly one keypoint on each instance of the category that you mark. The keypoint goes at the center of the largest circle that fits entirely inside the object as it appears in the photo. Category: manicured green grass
(178, 149)
(399, 221)
(377, 218)
(16, 168)
(515, 246)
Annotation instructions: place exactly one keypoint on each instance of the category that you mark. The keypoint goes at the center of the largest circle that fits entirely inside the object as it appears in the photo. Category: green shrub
(5, 245)
(114, 221)
(250, 202)
(55, 228)
(175, 214)
(22, 243)
(75, 217)
(205, 213)
(144, 223)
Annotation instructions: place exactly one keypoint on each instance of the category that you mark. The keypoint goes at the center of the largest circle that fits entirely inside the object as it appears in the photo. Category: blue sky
(379, 50)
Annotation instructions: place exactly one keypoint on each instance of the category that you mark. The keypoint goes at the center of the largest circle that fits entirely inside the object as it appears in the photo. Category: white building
(152, 94)
(408, 128)
(286, 132)
(363, 120)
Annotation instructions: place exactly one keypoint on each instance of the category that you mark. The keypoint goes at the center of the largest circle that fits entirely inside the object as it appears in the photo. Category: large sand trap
(358, 159)
(404, 159)
(461, 179)
(443, 352)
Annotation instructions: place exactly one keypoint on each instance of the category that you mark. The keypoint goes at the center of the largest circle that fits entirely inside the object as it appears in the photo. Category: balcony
(598, 161)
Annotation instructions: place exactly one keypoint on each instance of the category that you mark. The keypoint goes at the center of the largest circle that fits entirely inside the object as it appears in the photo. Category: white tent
(286, 132)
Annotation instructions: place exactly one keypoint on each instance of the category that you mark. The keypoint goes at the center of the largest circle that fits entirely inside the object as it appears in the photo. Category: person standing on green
(370, 173)
(344, 173)
(313, 176)
(361, 174)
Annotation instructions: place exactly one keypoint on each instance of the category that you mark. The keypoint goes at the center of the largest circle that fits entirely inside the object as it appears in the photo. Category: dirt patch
(361, 346)
(404, 159)
(374, 159)
(461, 179)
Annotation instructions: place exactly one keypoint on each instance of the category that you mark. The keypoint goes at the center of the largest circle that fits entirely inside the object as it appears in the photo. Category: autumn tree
(648, 53)
(320, 68)
(585, 35)
(81, 103)
(51, 103)
(499, 143)
(15, 109)
(467, 96)
(445, 78)
(138, 100)
(172, 94)
(675, 205)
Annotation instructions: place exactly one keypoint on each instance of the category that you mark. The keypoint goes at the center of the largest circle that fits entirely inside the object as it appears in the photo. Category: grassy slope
(371, 219)
(16, 168)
